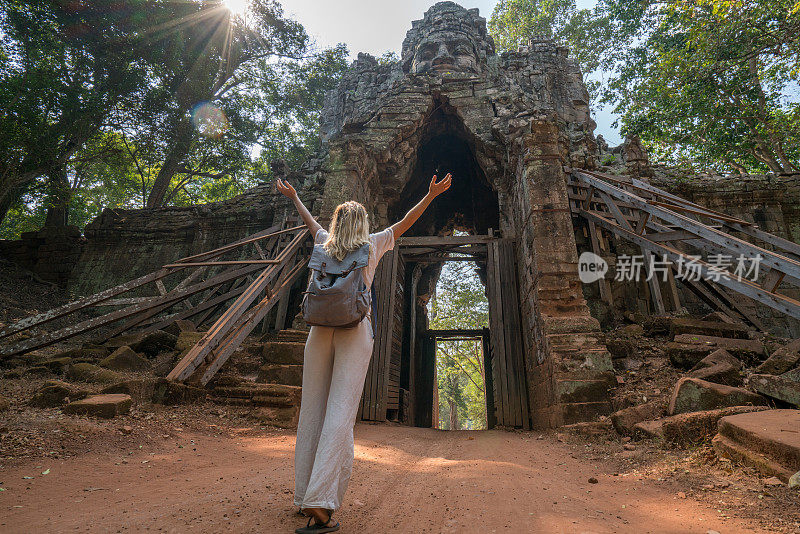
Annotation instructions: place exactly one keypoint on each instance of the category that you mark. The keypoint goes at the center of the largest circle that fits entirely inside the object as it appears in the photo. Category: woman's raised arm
(434, 190)
(289, 192)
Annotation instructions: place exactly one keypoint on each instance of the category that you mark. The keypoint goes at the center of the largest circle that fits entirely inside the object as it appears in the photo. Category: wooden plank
(497, 336)
(605, 286)
(79, 304)
(456, 332)
(777, 301)
(387, 349)
(221, 263)
(271, 232)
(96, 322)
(776, 241)
(249, 321)
(111, 292)
(513, 327)
(210, 340)
(738, 246)
(772, 280)
(491, 416)
(418, 241)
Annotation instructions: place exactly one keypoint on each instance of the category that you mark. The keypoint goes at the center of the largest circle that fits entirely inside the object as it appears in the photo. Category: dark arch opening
(471, 205)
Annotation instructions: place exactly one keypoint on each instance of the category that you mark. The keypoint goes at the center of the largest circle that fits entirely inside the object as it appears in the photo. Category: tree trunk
(454, 424)
(58, 198)
(182, 143)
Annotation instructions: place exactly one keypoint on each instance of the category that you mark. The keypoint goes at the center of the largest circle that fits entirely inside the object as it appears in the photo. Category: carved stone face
(445, 52)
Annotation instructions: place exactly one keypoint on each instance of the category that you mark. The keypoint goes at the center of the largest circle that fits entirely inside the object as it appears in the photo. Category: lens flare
(237, 7)
(210, 120)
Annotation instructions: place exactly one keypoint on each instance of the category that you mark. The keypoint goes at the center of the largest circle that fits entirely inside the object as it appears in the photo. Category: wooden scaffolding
(265, 267)
(688, 235)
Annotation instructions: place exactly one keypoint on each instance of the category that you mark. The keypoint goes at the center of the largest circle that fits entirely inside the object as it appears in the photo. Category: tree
(460, 302)
(170, 100)
(705, 82)
(586, 32)
(63, 67)
(211, 63)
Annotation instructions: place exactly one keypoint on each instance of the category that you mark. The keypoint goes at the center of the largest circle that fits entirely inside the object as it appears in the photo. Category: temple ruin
(515, 131)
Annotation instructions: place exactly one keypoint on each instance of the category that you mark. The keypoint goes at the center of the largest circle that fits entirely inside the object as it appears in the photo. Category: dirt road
(404, 480)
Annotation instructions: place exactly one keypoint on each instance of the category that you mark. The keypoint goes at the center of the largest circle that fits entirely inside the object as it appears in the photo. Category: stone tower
(510, 128)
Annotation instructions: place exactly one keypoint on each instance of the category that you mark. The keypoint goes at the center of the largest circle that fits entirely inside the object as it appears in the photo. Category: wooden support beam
(221, 263)
(605, 286)
(248, 322)
(443, 240)
(737, 246)
(779, 302)
(196, 356)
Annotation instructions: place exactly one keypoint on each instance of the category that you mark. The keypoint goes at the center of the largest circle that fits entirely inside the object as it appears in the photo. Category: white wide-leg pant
(335, 365)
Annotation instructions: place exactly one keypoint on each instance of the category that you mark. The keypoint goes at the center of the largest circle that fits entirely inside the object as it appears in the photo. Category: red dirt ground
(404, 480)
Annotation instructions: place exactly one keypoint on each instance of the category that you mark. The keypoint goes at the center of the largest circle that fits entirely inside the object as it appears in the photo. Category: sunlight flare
(237, 7)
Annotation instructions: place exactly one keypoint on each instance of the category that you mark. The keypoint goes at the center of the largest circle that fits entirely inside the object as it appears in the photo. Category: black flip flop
(315, 528)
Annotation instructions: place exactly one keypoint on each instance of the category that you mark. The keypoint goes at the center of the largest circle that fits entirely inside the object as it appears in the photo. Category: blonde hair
(349, 230)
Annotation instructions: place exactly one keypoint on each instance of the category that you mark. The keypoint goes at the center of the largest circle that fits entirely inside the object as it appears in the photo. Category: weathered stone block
(54, 393)
(688, 349)
(708, 328)
(719, 367)
(87, 372)
(777, 387)
(179, 326)
(782, 360)
(695, 395)
(767, 441)
(624, 420)
(686, 356)
(106, 406)
(57, 365)
(125, 359)
(695, 427)
(290, 375)
(284, 353)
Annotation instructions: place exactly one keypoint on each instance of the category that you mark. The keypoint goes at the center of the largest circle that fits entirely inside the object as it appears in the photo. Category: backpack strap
(322, 273)
(349, 269)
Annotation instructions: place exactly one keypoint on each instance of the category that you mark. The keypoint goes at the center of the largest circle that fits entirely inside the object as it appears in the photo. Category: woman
(335, 365)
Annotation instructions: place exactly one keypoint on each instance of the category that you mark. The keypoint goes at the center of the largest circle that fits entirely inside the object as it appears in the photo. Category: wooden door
(375, 398)
(488, 382)
(505, 333)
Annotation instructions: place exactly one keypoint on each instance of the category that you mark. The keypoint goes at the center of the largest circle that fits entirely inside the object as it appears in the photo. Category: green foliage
(608, 159)
(158, 103)
(706, 84)
(587, 33)
(460, 302)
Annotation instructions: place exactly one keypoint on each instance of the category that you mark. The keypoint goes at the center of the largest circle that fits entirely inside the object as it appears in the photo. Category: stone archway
(521, 122)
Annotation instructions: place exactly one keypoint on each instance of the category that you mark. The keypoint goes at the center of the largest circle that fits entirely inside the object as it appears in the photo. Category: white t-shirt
(379, 244)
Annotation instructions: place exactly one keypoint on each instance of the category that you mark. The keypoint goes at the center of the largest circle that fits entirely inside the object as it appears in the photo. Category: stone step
(680, 326)
(768, 441)
(272, 373)
(571, 391)
(284, 353)
(292, 336)
(106, 406)
(690, 428)
(278, 401)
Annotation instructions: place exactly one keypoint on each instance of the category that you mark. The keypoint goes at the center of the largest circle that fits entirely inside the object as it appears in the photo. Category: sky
(377, 26)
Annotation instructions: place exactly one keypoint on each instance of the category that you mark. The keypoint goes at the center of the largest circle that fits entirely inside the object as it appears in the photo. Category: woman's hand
(437, 188)
(286, 189)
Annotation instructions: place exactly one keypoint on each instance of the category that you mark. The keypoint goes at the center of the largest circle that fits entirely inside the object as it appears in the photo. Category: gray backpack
(336, 294)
